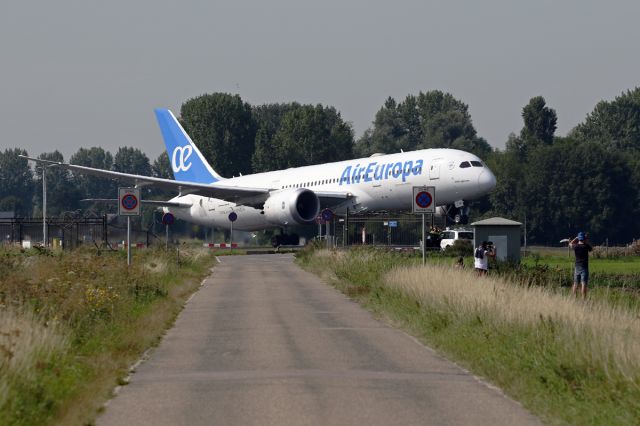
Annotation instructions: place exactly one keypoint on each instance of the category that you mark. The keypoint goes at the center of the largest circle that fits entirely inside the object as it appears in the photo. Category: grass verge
(72, 323)
(567, 361)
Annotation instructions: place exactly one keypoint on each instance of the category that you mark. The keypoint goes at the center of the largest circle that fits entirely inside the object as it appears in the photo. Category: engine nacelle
(292, 206)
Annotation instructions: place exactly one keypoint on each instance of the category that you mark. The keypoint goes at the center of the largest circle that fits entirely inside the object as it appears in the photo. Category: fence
(384, 230)
(70, 233)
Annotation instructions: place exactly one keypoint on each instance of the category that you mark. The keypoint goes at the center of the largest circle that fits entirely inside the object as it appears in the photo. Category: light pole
(44, 206)
(45, 237)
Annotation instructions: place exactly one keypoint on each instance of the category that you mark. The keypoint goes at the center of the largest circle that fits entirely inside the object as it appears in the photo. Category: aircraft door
(434, 171)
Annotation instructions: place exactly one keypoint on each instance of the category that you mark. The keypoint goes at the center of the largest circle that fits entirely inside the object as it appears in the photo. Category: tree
(223, 128)
(387, 135)
(162, 167)
(62, 194)
(16, 182)
(268, 121)
(571, 186)
(615, 124)
(313, 135)
(131, 160)
(94, 186)
(430, 120)
(539, 123)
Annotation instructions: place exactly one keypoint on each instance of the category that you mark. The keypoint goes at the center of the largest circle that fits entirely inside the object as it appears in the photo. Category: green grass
(98, 315)
(545, 364)
(621, 265)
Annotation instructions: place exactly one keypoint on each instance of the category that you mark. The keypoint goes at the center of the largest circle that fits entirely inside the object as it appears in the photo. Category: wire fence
(386, 230)
(69, 233)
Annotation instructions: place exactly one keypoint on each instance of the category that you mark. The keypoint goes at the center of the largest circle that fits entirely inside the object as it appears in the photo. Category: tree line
(587, 180)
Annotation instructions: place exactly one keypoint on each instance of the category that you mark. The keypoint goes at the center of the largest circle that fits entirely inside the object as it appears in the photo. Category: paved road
(265, 343)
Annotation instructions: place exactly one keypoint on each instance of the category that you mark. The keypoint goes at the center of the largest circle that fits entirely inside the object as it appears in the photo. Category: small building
(504, 233)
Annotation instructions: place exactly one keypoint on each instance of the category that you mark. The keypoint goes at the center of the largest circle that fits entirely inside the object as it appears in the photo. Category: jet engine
(297, 206)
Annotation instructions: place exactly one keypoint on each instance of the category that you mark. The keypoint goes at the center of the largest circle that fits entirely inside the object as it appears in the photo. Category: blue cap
(580, 236)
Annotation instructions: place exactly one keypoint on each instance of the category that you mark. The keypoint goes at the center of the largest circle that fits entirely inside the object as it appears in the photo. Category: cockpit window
(476, 164)
(464, 165)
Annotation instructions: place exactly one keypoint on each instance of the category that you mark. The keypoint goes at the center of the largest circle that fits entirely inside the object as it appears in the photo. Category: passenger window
(476, 164)
(464, 165)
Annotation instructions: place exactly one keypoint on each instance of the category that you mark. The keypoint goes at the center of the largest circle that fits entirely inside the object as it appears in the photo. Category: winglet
(185, 165)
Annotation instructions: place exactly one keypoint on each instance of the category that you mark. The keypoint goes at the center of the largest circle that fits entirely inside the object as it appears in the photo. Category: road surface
(265, 343)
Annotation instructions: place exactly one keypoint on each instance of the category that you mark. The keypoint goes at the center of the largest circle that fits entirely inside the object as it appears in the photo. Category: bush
(462, 248)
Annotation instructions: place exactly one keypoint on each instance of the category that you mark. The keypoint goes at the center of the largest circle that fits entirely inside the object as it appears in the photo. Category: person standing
(481, 258)
(581, 248)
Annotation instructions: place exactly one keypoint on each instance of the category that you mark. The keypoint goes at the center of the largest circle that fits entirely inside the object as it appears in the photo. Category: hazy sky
(89, 73)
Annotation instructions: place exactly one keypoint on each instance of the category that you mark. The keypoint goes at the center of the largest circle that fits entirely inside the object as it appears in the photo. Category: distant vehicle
(450, 236)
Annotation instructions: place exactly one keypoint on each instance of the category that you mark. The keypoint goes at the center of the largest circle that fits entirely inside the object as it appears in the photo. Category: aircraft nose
(486, 180)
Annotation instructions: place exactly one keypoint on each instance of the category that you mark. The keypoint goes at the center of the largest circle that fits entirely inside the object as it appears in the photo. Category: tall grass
(26, 344)
(71, 323)
(569, 361)
(605, 336)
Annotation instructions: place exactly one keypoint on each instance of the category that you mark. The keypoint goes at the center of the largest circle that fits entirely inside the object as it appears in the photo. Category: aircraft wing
(234, 194)
(156, 203)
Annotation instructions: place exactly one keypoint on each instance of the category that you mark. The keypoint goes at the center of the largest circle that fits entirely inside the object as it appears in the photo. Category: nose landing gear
(458, 213)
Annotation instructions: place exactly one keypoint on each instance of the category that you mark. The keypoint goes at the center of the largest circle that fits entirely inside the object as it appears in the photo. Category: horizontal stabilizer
(157, 203)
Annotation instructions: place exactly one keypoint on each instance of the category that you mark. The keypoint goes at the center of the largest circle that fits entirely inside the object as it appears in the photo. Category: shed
(504, 233)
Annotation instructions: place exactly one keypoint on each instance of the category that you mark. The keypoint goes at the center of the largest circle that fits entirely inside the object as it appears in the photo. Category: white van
(451, 235)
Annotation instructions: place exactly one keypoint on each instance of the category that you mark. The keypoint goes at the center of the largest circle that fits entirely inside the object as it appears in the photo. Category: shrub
(462, 248)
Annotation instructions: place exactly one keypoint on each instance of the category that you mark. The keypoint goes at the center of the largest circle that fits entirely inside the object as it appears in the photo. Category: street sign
(424, 199)
(168, 218)
(327, 215)
(233, 216)
(129, 201)
(393, 224)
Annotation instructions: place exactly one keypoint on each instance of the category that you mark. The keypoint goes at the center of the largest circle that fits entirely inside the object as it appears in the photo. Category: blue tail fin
(187, 162)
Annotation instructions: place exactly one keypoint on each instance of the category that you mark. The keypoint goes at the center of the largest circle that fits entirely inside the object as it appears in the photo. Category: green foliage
(131, 160)
(459, 248)
(161, 168)
(269, 118)
(62, 194)
(312, 135)
(539, 123)
(94, 186)
(570, 187)
(16, 182)
(223, 128)
(613, 124)
(430, 120)
(96, 313)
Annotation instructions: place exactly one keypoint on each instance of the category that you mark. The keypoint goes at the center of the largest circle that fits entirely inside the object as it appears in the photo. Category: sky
(89, 73)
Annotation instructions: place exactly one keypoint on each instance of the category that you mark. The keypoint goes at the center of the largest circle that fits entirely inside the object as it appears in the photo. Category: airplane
(295, 196)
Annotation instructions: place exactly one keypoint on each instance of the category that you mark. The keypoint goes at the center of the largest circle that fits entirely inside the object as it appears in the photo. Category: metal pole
(128, 240)
(44, 206)
(525, 234)
(424, 258)
(166, 237)
(231, 235)
(327, 234)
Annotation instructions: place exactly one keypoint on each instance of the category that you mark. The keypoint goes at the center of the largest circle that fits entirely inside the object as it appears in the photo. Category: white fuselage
(380, 182)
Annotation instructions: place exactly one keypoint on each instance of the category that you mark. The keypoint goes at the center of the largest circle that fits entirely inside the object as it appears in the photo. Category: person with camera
(481, 257)
(581, 248)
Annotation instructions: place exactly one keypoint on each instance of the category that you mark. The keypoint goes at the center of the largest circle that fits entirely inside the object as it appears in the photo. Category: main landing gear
(285, 240)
